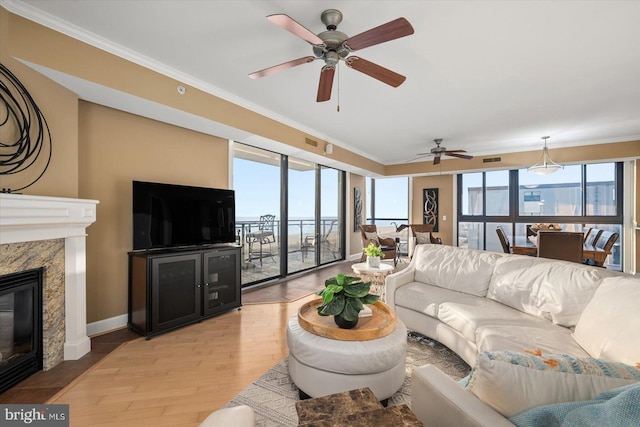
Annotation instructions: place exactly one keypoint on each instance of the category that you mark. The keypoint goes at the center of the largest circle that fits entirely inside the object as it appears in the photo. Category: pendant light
(547, 166)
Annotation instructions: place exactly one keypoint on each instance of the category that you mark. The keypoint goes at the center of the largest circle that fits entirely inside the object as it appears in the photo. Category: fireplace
(20, 326)
(49, 233)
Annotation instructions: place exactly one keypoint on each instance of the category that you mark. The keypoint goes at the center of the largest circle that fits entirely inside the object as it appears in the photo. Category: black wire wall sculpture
(24, 127)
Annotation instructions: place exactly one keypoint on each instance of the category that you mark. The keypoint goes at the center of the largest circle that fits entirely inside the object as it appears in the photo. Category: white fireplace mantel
(25, 218)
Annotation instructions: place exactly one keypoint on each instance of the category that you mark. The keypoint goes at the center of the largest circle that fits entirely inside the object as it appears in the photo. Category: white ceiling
(487, 76)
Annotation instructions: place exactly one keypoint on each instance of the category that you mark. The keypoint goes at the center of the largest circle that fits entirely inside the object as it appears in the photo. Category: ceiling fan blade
(291, 25)
(376, 71)
(455, 151)
(386, 32)
(280, 67)
(436, 160)
(419, 156)
(326, 82)
(461, 156)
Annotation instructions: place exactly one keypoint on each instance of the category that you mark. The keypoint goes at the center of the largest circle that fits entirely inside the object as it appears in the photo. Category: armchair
(369, 233)
(425, 228)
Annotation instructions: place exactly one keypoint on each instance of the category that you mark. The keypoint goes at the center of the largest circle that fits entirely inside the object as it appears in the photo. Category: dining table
(524, 245)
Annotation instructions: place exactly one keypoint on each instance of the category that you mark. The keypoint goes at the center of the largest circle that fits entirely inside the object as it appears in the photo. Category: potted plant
(343, 297)
(374, 253)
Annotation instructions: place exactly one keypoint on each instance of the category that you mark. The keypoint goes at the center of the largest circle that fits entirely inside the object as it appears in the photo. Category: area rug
(273, 395)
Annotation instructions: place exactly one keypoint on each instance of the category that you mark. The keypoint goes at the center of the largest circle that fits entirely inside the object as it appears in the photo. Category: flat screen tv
(169, 216)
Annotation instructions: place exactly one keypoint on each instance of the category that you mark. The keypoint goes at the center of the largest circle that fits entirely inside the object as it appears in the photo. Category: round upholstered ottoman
(320, 366)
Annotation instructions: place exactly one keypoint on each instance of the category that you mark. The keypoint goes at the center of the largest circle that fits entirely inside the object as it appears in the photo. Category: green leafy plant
(345, 296)
(373, 250)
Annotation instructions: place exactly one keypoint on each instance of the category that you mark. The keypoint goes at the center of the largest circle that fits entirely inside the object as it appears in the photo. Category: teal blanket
(619, 407)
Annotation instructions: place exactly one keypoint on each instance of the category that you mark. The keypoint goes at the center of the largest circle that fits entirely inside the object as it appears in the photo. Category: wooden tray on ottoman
(381, 323)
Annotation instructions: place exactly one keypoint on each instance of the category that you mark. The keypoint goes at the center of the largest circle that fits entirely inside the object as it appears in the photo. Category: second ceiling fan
(438, 151)
(332, 45)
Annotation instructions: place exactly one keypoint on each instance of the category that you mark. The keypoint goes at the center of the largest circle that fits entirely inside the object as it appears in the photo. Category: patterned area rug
(273, 395)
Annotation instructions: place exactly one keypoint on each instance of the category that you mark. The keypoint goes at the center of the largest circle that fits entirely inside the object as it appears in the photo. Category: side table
(375, 274)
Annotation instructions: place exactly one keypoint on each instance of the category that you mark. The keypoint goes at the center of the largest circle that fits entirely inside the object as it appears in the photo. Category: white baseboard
(354, 257)
(107, 325)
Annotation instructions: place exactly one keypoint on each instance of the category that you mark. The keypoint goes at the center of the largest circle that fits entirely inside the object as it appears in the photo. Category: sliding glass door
(330, 242)
(256, 181)
(301, 215)
(283, 238)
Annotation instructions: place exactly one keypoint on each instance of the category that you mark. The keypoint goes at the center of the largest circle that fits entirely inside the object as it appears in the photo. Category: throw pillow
(423, 238)
(609, 326)
(618, 407)
(515, 382)
(372, 237)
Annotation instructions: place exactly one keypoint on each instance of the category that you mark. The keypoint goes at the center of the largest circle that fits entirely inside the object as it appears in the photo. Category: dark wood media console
(173, 288)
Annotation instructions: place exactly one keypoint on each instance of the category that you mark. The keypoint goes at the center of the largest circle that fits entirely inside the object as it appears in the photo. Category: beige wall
(115, 149)
(60, 108)
(446, 200)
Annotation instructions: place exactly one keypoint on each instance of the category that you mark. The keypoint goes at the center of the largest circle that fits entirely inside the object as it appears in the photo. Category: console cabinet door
(176, 290)
(221, 280)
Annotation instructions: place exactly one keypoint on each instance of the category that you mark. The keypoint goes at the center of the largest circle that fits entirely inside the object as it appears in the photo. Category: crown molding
(34, 14)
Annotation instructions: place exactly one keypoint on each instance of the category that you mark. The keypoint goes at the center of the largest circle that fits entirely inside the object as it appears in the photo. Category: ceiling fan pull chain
(338, 70)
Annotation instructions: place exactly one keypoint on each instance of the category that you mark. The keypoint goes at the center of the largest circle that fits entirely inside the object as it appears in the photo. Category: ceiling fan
(438, 151)
(332, 45)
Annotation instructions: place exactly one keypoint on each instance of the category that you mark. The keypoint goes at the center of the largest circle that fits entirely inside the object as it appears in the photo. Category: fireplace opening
(20, 326)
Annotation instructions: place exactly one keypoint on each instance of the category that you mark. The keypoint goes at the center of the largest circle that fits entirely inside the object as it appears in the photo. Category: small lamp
(547, 166)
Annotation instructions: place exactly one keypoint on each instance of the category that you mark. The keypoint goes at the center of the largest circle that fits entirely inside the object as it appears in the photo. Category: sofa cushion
(515, 382)
(609, 327)
(426, 299)
(458, 269)
(547, 338)
(468, 316)
(555, 290)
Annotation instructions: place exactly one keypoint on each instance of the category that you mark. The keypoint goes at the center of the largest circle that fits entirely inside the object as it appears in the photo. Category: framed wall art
(357, 208)
(430, 207)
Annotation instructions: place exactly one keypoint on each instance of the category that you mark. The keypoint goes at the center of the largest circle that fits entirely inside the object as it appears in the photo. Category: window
(601, 189)
(558, 194)
(575, 197)
(472, 194)
(388, 207)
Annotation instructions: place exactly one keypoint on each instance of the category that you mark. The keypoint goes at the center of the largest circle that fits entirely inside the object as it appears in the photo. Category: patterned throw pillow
(515, 382)
(423, 238)
(372, 238)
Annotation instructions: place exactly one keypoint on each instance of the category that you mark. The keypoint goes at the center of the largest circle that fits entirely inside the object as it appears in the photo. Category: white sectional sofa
(481, 303)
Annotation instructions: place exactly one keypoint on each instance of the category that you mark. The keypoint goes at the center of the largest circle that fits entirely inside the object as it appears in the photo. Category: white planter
(373, 261)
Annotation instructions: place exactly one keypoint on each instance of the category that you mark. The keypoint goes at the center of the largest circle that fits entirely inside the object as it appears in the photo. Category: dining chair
(562, 245)
(504, 240)
(606, 240)
(592, 237)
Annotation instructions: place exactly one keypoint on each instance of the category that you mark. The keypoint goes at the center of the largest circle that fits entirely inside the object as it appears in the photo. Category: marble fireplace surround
(30, 228)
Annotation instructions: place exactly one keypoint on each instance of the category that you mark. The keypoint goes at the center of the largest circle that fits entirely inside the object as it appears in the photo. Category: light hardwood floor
(179, 378)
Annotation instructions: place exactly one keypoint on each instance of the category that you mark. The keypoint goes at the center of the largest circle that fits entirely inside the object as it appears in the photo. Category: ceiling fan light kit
(332, 46)
(546, 166)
